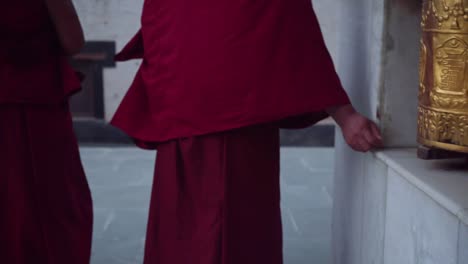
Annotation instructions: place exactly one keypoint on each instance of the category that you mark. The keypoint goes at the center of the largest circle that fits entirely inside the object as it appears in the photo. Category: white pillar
(377, 60)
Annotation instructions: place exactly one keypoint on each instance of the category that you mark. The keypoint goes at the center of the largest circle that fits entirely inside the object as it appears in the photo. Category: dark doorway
(96, 56)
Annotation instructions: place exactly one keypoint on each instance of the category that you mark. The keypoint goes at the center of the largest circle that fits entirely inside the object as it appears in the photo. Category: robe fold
(216, 200)
(45, 202)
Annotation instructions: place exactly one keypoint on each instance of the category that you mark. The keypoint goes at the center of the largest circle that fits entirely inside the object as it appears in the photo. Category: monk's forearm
(341, 113)
(67, 25)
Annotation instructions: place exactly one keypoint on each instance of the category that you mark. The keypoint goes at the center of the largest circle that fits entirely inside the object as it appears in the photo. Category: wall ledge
(444, 181)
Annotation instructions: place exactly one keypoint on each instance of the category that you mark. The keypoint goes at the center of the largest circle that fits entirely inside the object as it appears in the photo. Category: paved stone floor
(120, 179)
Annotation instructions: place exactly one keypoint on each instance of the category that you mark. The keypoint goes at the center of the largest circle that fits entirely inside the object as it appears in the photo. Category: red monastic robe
(218, 79)
(216, 200)
(45, 202)
(211, 66)
(32, 69)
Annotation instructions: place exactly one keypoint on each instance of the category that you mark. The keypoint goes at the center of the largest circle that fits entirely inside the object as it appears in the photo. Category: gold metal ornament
(443, 70)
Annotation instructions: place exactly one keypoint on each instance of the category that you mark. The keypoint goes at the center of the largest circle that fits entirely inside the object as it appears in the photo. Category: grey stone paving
(120, 180)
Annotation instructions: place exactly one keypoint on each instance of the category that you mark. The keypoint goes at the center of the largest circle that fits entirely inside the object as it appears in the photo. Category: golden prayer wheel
(443, 86)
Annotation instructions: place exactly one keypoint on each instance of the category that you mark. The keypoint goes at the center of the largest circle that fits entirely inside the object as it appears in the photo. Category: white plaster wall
(359, 52)
(384, 218)
(418, 230)
(347, 216)
(374, 211)
(328, 23)
(463, 245)
(377, 59)
(359, 224)
(389, 219)
(377, 55)
(359, 64)
(399, 88)
(112, 20)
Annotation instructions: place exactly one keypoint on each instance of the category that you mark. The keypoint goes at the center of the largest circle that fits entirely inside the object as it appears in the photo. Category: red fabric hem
(289, 121)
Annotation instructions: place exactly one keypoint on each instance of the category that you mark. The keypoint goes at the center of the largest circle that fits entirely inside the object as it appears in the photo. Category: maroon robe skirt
(216, 200)
(45, 202)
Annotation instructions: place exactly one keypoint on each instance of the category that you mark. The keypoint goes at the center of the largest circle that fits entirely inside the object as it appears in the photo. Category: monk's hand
(360, 133)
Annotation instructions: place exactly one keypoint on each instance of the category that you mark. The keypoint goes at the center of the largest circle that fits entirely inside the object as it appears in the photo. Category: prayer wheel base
(433, 153)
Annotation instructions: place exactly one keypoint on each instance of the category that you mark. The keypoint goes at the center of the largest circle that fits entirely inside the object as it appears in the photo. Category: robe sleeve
(133, 50)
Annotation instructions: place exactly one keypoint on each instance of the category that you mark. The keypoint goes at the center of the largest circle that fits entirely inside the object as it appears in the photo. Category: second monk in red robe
(46, 214)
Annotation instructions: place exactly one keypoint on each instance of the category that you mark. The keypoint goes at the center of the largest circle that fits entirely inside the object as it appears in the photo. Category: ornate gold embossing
(450, 67)
(443, 88)
(448, 102)
(422, 68)
(436, 129)
(444, 14)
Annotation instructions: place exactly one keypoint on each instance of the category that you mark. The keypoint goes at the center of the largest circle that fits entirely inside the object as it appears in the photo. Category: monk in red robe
(217, 82)
(45, 203)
